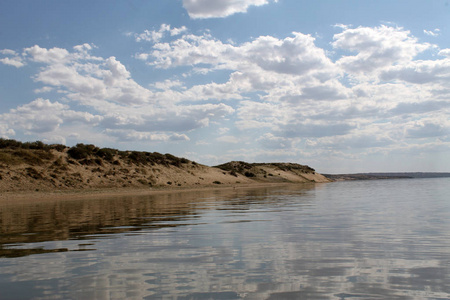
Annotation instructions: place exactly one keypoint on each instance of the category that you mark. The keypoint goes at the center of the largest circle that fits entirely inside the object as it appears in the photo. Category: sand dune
(86, 168)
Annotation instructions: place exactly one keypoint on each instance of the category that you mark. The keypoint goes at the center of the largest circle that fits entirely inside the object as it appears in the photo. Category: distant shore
(386, 175)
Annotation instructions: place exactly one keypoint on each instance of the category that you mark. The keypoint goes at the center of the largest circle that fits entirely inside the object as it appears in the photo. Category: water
(386, 239)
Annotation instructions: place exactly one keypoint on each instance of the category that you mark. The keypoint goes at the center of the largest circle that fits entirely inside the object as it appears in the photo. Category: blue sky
(342, 86)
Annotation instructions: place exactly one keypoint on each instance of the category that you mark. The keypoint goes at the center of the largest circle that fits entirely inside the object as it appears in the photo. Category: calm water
(386, 239)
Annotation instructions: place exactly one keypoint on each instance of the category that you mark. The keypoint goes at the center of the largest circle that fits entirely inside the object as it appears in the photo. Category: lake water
(384, 239)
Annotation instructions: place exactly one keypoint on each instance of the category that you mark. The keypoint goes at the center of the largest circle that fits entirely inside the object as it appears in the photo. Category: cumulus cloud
(43, 116)
(420, 72)
(90, 82)
(376, 47)
(12, 58)
(106, 87)
(275, 66)
(5, 131)
(203, 9)
(445, 52)
(295, 55)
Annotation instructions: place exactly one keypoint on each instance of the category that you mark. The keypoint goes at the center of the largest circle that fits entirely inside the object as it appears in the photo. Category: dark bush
(78, 152)
(106, 153)
(173, 160)
(58, 147)
(81, 151)
(9, 144)
(249, 174)
(138, 157)
(35, 145)
(157, 158)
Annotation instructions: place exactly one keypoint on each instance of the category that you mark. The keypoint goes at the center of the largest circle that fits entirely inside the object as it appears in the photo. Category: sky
(342, 86)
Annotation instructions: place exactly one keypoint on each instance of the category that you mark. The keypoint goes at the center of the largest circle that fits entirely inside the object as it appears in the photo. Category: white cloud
(92, 81)
(167, 84)
(223, 130)
(270, 141)
(228, 139)
(8, 52)
(376, 48)
(44, 89)
(278, 67)
(420, 72)
(155, 36)
(133, 135)
(295, 55)
(105, 86)
(5, 131)
(435, 32)
(44, 55)
(445, 52)
(12, 59)
(43, 116)
(202, 9)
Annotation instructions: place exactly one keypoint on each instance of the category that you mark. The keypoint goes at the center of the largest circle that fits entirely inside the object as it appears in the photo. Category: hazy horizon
(341, 86)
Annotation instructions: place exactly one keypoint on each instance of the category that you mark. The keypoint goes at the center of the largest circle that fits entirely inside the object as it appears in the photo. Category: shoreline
(81, 194)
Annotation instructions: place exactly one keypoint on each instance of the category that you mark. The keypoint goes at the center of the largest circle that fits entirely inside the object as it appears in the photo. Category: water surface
(386, 239)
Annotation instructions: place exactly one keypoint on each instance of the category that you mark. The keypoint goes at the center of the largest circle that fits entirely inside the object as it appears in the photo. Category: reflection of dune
(62, 220)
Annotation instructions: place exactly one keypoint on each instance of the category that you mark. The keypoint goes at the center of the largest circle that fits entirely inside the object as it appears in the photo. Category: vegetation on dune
(252, 169)
(82, 151)
(16, 152)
